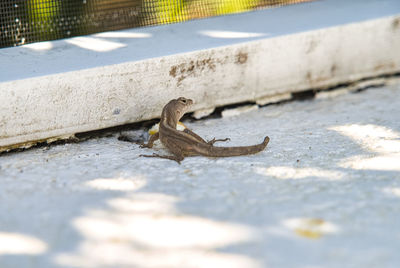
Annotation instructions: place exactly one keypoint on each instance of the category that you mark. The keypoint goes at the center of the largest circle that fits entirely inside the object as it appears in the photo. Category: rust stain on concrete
(383, 66)
(241, 57)
(195, 68)
(396, 24)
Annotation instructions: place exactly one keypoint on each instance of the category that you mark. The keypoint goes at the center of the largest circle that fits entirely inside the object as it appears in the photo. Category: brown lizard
(187, 143)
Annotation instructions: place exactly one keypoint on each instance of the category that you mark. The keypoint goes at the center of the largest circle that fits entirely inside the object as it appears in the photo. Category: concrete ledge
(55, 89)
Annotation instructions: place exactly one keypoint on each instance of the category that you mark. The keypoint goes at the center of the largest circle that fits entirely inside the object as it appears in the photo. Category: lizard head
(184, 102)
(181, 106)
(175, 109)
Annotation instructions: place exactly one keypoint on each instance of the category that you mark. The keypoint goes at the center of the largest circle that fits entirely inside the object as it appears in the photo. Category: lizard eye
(183, 100)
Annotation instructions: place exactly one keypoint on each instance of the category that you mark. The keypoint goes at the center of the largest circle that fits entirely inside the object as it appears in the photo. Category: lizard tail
(237, 151)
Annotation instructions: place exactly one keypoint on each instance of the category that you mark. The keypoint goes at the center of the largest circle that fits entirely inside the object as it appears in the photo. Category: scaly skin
(187, 143)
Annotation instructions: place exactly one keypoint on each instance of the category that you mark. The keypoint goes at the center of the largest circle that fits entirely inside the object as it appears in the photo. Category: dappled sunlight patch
(116, 254)
(15, 243)
(393, 191)
(382, 141)
(95, 44)
(282, 172)
(117, 184)
(372, 137)
(40, 46)
(145, 202)
(145, 230)
(312, 228)
(389, 162)
(161, 231)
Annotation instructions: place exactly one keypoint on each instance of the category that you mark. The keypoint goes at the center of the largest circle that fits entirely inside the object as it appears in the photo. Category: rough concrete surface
(325, 193)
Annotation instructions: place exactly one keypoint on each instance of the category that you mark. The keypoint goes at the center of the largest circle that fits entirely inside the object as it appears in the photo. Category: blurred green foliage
(42, 16)
(168, 11)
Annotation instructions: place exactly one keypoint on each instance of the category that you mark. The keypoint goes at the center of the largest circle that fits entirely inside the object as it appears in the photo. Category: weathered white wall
(92, 82)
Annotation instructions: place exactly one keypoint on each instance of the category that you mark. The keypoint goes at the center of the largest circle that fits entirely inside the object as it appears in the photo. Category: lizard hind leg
(200, 139)
(170, 157)
(211, 142)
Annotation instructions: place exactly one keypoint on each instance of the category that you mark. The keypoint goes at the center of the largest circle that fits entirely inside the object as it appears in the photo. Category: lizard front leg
(151, 141)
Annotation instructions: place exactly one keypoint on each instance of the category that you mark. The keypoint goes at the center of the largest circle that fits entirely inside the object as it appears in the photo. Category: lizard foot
(144, 145)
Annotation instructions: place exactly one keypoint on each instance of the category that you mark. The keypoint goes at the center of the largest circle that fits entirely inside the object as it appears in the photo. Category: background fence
(28, 21)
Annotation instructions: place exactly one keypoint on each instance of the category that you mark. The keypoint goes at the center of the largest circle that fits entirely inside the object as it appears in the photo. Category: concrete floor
(325, 193)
